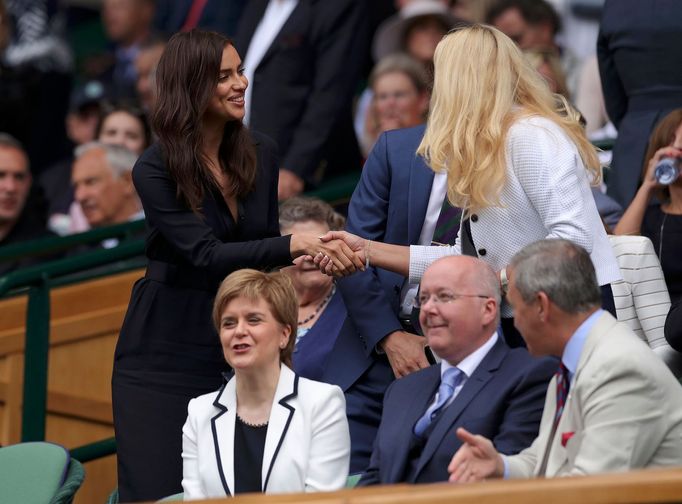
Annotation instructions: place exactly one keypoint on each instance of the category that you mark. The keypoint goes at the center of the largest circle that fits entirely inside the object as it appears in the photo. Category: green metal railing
(38, 280)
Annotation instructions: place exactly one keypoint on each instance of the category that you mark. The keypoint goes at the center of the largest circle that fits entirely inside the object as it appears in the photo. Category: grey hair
(401, 63)
(304, 209)
(559, 268)
(120, 159)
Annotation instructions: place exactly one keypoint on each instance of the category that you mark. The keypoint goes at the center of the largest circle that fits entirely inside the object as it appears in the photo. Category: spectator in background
(119, 124)
(82, 120)
(328, 345)
(221, 16)
(303, 60)
(128, 25)
(415, 30)
(35, 79)
(612, 406)
(641, 298)
(103, 185)
(473, 11)
(660, 221)
(17, 223)
(481, 383)
(400, 97)
(640, 62)
(533, 25)
(146, 62)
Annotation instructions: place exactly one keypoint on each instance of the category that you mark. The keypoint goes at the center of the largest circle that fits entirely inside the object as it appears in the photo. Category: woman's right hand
(341, 258)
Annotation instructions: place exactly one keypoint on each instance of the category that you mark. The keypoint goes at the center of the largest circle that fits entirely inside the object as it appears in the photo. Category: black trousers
(514, 339)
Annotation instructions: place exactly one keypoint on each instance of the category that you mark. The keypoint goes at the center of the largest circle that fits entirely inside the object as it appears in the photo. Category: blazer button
(482, 251)
(474, 218)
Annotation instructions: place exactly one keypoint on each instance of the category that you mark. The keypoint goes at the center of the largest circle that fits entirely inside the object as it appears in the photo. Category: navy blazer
(388, 205)
(640, 63)
(303, 87)
(502, 400)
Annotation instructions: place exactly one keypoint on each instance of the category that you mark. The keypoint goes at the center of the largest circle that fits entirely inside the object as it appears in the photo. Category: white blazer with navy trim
(307, 446)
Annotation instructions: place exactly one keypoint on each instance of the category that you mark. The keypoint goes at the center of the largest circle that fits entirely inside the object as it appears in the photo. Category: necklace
(319, 307)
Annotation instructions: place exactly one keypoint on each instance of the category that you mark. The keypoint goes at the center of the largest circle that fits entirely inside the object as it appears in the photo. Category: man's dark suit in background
(640, 62)
(304, 85)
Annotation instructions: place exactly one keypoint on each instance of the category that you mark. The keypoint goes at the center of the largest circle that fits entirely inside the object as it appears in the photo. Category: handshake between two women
(340, 253)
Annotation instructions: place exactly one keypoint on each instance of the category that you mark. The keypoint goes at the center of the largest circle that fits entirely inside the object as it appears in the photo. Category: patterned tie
(447, 225)
(562, 385)
(449, 382)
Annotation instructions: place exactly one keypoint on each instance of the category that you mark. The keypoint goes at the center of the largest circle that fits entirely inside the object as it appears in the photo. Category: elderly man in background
(480, 382)
(103, 186)
(612, 406)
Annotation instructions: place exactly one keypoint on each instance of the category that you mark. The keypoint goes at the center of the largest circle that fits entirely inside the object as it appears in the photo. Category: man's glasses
(442, 298)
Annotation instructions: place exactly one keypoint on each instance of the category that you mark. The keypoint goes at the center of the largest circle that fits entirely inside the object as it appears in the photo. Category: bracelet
(504, 281)
(367, 247)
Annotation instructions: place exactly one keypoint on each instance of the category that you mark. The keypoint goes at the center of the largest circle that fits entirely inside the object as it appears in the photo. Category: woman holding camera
(661, 221)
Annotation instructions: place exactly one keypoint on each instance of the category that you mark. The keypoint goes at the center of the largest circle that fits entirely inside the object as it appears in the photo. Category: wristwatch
(504, 281)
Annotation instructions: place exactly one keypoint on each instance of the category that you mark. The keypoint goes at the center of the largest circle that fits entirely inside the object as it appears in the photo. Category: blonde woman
(519, 169)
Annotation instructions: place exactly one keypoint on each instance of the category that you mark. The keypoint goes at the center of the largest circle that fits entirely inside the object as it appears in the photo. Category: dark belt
(407, 324)
(172, 274)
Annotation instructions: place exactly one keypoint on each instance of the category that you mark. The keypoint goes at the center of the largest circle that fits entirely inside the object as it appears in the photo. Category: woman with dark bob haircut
(267, 429)
(209, 192)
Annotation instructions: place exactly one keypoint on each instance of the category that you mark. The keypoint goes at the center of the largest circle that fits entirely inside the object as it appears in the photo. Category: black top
(665, 231)
(249, 444)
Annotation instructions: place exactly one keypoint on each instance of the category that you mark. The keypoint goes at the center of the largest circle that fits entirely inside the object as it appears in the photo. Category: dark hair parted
(186, 78)
(132, 109)
(305, 208)
(662, 136)
(559, 268)
(274, 288)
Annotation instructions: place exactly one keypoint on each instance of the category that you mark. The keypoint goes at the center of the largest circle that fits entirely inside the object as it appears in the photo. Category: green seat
(39, 473)
(175, 497)
(353, 480)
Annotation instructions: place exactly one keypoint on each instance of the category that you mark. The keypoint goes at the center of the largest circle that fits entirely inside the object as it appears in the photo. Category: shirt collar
(469, 364)
(574, 347)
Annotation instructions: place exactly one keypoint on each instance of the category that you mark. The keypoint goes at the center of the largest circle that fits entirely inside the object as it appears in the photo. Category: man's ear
(543, 306)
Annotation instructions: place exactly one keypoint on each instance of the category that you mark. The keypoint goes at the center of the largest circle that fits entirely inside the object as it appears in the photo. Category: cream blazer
(641, 298)
(623, 411)
(546, 195)
(307, 446)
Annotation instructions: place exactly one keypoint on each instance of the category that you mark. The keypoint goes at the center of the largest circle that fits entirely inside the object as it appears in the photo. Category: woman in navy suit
(290, 433)
(209, 192)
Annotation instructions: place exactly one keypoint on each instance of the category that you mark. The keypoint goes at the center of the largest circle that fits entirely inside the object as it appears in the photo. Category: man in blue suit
(480, 383)
(396, 201)
(393, 190)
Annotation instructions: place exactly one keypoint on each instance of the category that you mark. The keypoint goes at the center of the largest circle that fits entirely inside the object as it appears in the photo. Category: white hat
(389, 35)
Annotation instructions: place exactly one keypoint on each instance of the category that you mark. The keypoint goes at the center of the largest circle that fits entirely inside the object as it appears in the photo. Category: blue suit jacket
(502, 400)
(388, 205)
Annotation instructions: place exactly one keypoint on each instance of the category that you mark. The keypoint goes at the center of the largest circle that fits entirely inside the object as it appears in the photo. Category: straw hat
(389, 35)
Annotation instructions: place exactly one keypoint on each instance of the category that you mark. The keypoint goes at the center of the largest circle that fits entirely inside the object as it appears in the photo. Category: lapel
(290, 34)
(412, 405)
(222, 427)
(555, 455)
(281, 414)
(482, 375)
(421, 179)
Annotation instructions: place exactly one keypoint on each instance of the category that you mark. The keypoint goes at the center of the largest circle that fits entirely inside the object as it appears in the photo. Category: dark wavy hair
(186, 78)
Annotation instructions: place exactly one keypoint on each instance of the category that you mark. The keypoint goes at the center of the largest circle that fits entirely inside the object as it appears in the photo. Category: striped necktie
(447, 225)
(562, 385)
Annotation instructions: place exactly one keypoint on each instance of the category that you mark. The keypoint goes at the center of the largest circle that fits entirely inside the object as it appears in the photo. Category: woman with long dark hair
(209, 191)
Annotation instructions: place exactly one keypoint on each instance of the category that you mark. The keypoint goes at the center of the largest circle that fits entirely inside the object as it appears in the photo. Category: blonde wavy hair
(482, 85)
